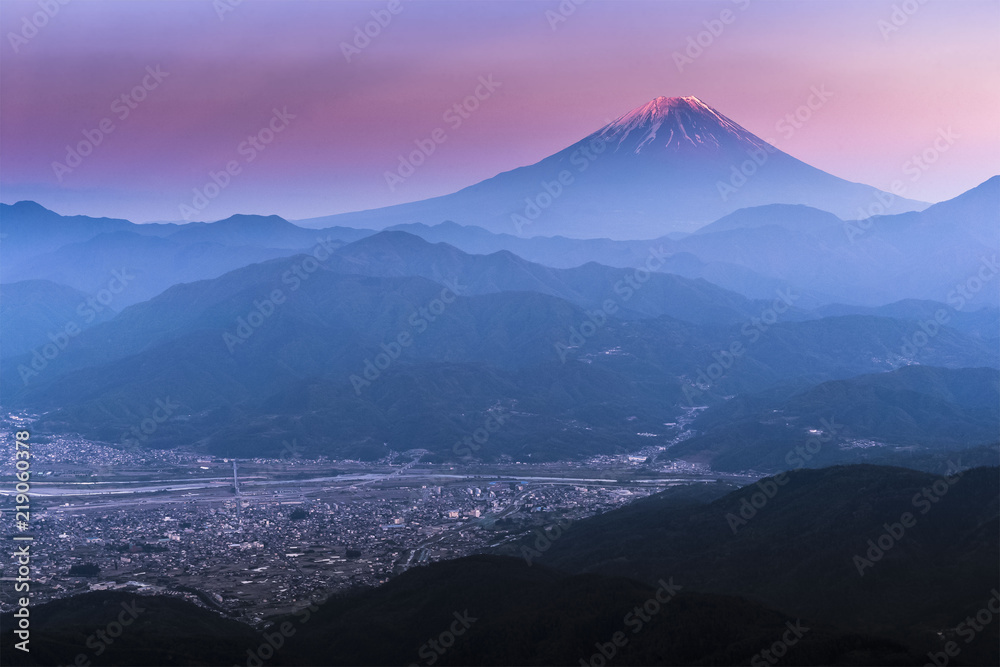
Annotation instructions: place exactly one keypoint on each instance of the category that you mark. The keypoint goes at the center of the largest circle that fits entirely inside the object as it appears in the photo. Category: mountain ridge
(591, 188)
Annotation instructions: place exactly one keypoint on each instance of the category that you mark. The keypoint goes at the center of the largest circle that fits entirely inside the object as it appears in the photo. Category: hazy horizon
(357, 109)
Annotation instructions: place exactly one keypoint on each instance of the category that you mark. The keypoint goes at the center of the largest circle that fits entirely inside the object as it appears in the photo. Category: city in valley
(252, 538)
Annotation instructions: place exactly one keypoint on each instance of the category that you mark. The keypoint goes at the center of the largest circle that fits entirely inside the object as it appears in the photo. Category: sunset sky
(226, 71)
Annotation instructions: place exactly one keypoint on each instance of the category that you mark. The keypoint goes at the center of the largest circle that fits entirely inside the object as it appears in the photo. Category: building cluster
(281, 548)
(261, 536)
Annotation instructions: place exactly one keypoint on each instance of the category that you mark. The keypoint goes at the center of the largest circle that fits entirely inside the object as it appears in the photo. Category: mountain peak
(662, 105)
(29, 207)
(677, 123)
(245, 220)
(28, 204)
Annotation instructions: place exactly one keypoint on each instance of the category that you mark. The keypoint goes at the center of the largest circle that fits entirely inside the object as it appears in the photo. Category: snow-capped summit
(676, 123)
(671, 164)
(656, 110)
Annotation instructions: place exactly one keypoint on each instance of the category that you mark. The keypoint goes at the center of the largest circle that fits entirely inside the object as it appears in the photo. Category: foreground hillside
(666, 576)
(799, 542)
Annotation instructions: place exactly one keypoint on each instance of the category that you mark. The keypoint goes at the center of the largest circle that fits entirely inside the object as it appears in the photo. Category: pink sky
(890, 96)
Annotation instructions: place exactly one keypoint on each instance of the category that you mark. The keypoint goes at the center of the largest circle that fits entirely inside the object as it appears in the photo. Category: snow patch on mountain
(683, 121)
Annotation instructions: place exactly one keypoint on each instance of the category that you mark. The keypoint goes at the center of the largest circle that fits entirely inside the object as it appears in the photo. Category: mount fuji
(670, 165)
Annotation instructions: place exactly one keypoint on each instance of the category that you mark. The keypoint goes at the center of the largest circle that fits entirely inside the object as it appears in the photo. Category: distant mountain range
(870, 417)
(33, 312)
(84, 253)
(755, 252)
(589, 360)
(673, 164)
